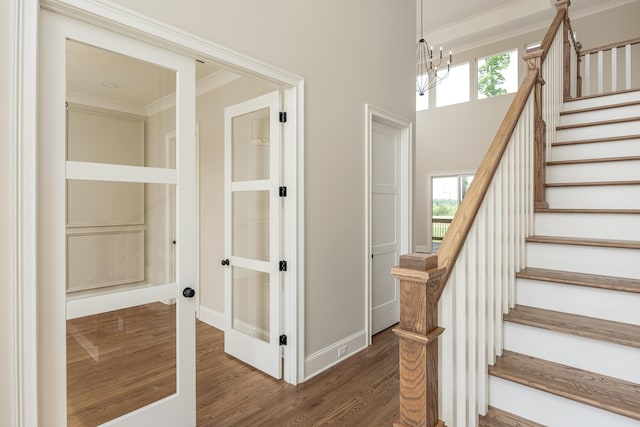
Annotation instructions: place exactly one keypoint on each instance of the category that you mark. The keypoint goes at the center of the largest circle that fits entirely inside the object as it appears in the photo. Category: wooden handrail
(553, 30)
(423, 277)
(462, 221)
(610, 46)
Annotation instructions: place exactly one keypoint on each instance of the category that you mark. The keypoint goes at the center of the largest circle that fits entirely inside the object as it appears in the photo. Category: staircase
(572, 343)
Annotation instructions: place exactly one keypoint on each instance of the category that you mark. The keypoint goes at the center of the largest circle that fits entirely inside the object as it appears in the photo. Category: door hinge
(283, 117)
(283, 265)
(283, 339)
(283, 191)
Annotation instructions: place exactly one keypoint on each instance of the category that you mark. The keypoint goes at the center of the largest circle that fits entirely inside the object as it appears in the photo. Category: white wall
(6, 229)
(349, 53)
(456, 137)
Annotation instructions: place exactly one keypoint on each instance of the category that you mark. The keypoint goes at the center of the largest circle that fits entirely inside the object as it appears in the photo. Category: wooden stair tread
(594, 140)
(590, 211)
(498, 418)
(598, 123)
(601, 95)
(574, 324)
(600, 108)
(622, 284)
(600, 391)
(589, 183)
(605, 243)
(598, 160)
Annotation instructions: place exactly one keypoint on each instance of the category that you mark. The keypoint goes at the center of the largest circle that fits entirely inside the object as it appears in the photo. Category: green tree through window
(490, 77)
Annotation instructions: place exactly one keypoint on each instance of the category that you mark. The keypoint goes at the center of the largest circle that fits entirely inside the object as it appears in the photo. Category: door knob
(188, 293)
(225, 262)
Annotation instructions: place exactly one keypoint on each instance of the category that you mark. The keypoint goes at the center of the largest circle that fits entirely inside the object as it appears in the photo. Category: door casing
(25, 406)
(406, 190)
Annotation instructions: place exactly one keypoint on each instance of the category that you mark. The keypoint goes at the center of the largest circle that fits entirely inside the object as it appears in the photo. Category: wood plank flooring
(115, 365)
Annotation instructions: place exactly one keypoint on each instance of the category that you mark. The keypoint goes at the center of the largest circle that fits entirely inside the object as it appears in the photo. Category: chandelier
(427, 67)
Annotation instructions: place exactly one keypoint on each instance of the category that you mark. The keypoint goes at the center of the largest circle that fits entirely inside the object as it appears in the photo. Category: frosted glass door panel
(251, 224)
(251, 303)
(250, 145)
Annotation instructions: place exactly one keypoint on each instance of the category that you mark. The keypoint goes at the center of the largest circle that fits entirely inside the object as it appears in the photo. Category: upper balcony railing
(608, 68)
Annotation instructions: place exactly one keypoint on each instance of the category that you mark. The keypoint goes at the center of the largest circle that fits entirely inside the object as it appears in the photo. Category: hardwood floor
(114, 367)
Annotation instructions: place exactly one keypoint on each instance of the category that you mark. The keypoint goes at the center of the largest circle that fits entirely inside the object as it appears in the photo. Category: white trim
(164, 409)
(406, 191)
(103, 103)
(24, 33)
(120, 173)
(80, 307)
(214, 81)
(211, 317)
(23, 329)
(137, 25)
(327, 357)
(423, 249)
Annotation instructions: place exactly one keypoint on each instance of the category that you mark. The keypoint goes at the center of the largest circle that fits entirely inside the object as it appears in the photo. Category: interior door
(252, 233)
(130, 349)
(385, 225)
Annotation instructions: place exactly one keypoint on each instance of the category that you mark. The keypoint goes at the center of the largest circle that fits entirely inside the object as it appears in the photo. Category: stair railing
(471, 280)
(594, 67)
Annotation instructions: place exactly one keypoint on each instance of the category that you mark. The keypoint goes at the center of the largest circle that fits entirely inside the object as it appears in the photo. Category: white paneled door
(253, 211)
(385, 224)
(113, 203)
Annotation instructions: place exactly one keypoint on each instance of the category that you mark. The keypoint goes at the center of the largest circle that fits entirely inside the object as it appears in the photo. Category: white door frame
(406, 190)
(24, 33)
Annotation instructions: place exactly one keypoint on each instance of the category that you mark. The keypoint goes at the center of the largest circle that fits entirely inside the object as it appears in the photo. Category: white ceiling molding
(103, 12)
(214, 81)
(491, 20)
(204, 85)
(94, 101)
(509, 20)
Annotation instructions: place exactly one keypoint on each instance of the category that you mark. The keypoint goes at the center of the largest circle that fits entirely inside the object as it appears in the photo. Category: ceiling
(462, 25)
(101, 75)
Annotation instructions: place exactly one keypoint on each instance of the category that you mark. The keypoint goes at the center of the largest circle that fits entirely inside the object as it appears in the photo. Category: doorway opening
(123, 214)
(388, 218)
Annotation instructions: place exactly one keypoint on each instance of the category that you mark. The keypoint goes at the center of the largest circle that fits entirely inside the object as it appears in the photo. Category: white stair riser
(600, 131)
(592, 226)
(599, 115)
(602, 100)
(602, 357)
(548, 409)
(596, 150)
(585, 259)
(601, 171)
(604, 304)
(595, 197)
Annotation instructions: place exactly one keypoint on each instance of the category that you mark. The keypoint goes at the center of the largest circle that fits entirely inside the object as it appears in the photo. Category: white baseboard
(423, 249)
(327, 357)
(212, 317)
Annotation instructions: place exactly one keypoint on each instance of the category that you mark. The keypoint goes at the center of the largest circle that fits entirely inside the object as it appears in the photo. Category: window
(447, 193)
(498, 74)
(455, 88)
(422, 102)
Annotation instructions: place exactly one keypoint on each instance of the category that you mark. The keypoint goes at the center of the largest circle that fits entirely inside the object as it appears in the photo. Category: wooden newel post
(420, 290)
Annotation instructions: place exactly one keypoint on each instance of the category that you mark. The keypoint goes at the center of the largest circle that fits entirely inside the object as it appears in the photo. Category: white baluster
(627, 72)
(481, 315)
(460, 339)
(586, 89)
(614, 69)
(600, 70)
